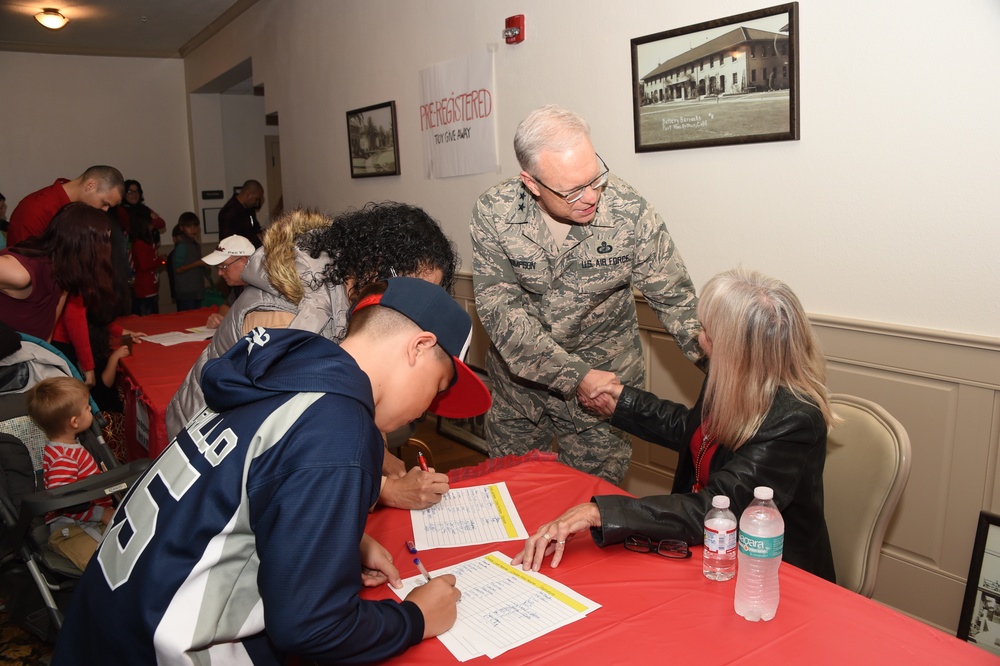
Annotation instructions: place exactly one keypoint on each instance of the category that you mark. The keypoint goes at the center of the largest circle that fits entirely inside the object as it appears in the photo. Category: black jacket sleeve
(787, 454)
(644, 415)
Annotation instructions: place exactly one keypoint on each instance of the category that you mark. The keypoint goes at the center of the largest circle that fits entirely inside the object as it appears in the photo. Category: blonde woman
(761, 420)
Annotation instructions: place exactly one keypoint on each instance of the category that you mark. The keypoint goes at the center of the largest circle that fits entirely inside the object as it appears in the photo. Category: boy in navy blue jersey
(244, 542)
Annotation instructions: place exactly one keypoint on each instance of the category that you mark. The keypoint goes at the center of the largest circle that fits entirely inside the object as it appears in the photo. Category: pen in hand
(422, 460)
(423, 569)
(412, 547)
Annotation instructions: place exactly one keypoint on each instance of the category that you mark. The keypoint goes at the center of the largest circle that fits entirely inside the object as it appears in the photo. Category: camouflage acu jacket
(553, 315)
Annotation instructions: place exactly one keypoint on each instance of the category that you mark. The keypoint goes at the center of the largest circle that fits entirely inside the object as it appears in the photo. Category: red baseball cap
(432, 309)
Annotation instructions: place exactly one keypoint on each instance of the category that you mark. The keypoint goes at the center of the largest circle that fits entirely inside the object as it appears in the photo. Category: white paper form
(468, 516)
(503, 607)
(178, 337)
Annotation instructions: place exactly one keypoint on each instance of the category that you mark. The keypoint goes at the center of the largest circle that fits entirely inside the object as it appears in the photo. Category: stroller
(36, 583)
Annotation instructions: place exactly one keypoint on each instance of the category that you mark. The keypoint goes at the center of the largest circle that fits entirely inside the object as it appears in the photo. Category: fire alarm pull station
(514, 29)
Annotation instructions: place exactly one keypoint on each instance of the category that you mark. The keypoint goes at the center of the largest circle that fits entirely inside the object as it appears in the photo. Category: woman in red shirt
(72, 256)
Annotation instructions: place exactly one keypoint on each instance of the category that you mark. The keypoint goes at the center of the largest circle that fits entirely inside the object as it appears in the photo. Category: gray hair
(548, 127)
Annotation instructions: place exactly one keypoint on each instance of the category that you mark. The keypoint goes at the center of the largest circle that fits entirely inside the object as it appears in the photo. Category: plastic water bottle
(762, 536)
(719, 561)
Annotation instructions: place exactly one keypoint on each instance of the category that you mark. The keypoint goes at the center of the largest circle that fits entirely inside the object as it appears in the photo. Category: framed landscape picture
(372, 141)
(980, 619)
(728, 81)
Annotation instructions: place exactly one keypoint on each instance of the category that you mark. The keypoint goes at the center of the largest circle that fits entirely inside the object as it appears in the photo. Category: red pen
(422, 460)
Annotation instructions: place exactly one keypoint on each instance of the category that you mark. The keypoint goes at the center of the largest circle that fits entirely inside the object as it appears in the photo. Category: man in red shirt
(99, 186)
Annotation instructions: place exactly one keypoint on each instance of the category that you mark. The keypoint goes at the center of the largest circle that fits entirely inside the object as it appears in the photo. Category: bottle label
(720, 541)
(761, 547)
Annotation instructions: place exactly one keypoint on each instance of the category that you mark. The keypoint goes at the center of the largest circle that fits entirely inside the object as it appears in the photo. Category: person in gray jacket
(307, 275)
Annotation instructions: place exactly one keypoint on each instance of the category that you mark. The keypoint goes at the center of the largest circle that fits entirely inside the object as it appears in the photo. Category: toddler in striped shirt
(61, 408)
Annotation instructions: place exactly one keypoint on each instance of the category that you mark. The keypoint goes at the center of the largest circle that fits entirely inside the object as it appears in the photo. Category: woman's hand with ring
(551, 538)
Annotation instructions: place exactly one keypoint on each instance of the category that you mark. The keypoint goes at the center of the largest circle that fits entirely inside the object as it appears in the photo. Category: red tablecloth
(150, 376)
(666, 610)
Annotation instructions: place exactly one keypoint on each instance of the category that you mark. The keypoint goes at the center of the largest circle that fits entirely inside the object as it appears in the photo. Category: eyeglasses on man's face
(670, 548)
(133, 192)
(226, 265)
(577, 193)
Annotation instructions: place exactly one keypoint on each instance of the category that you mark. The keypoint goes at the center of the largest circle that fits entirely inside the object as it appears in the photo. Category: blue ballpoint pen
(410, 546)
(423, 569)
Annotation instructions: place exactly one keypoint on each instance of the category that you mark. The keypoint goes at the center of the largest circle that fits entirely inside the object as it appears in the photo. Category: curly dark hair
(379, 240)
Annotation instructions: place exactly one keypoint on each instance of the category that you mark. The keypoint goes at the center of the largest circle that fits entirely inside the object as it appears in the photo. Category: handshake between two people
(599, 392)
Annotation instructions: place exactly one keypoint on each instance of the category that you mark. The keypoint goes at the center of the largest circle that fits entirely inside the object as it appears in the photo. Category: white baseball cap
(232, 246)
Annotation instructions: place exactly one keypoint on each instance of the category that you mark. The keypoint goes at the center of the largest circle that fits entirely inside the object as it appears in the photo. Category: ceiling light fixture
(51, 18)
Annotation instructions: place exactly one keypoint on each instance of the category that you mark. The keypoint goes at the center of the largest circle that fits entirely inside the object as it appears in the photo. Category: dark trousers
(146, 306)
(188, 304)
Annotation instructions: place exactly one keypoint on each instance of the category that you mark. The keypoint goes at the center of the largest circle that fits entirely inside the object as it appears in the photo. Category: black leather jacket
(787, 454)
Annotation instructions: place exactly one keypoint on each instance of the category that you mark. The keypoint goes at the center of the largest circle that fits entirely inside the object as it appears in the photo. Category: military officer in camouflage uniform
(554, 265)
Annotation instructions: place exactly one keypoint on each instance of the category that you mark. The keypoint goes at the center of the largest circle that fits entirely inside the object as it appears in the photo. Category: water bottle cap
(720, 502)
(763, 493)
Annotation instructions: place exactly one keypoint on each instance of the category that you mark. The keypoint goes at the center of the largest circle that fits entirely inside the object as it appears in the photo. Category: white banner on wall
(457, 117)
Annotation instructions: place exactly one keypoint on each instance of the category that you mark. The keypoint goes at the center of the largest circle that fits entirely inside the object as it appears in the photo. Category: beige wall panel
(970, 478)
(927, 595)
(972, 359)
(480, 342)
(643, 480)
(670, 374)
(992, 502)
(927, 409)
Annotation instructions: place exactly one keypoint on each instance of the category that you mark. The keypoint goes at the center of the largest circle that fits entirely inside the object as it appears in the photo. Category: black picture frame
(210, 220)
(979, 622)
(732, 80)
(372, 141)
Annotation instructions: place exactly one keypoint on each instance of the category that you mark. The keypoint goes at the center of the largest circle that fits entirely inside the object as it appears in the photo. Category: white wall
(885, 209)
(208, 159)
(881, 212)
(243, 129)
(61, 114)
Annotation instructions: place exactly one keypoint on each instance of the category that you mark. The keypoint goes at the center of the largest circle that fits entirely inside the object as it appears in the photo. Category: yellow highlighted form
(508, 524)
(547, 589)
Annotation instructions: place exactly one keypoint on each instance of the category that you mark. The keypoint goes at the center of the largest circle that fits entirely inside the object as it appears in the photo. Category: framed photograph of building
(728, 81)
(980, 619)
(372, 141)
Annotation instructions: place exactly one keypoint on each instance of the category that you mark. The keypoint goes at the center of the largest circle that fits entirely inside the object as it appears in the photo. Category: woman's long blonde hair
(761, 340)
(279, 249)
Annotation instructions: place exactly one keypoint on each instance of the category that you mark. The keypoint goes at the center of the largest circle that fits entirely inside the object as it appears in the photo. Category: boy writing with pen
(244, 541)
